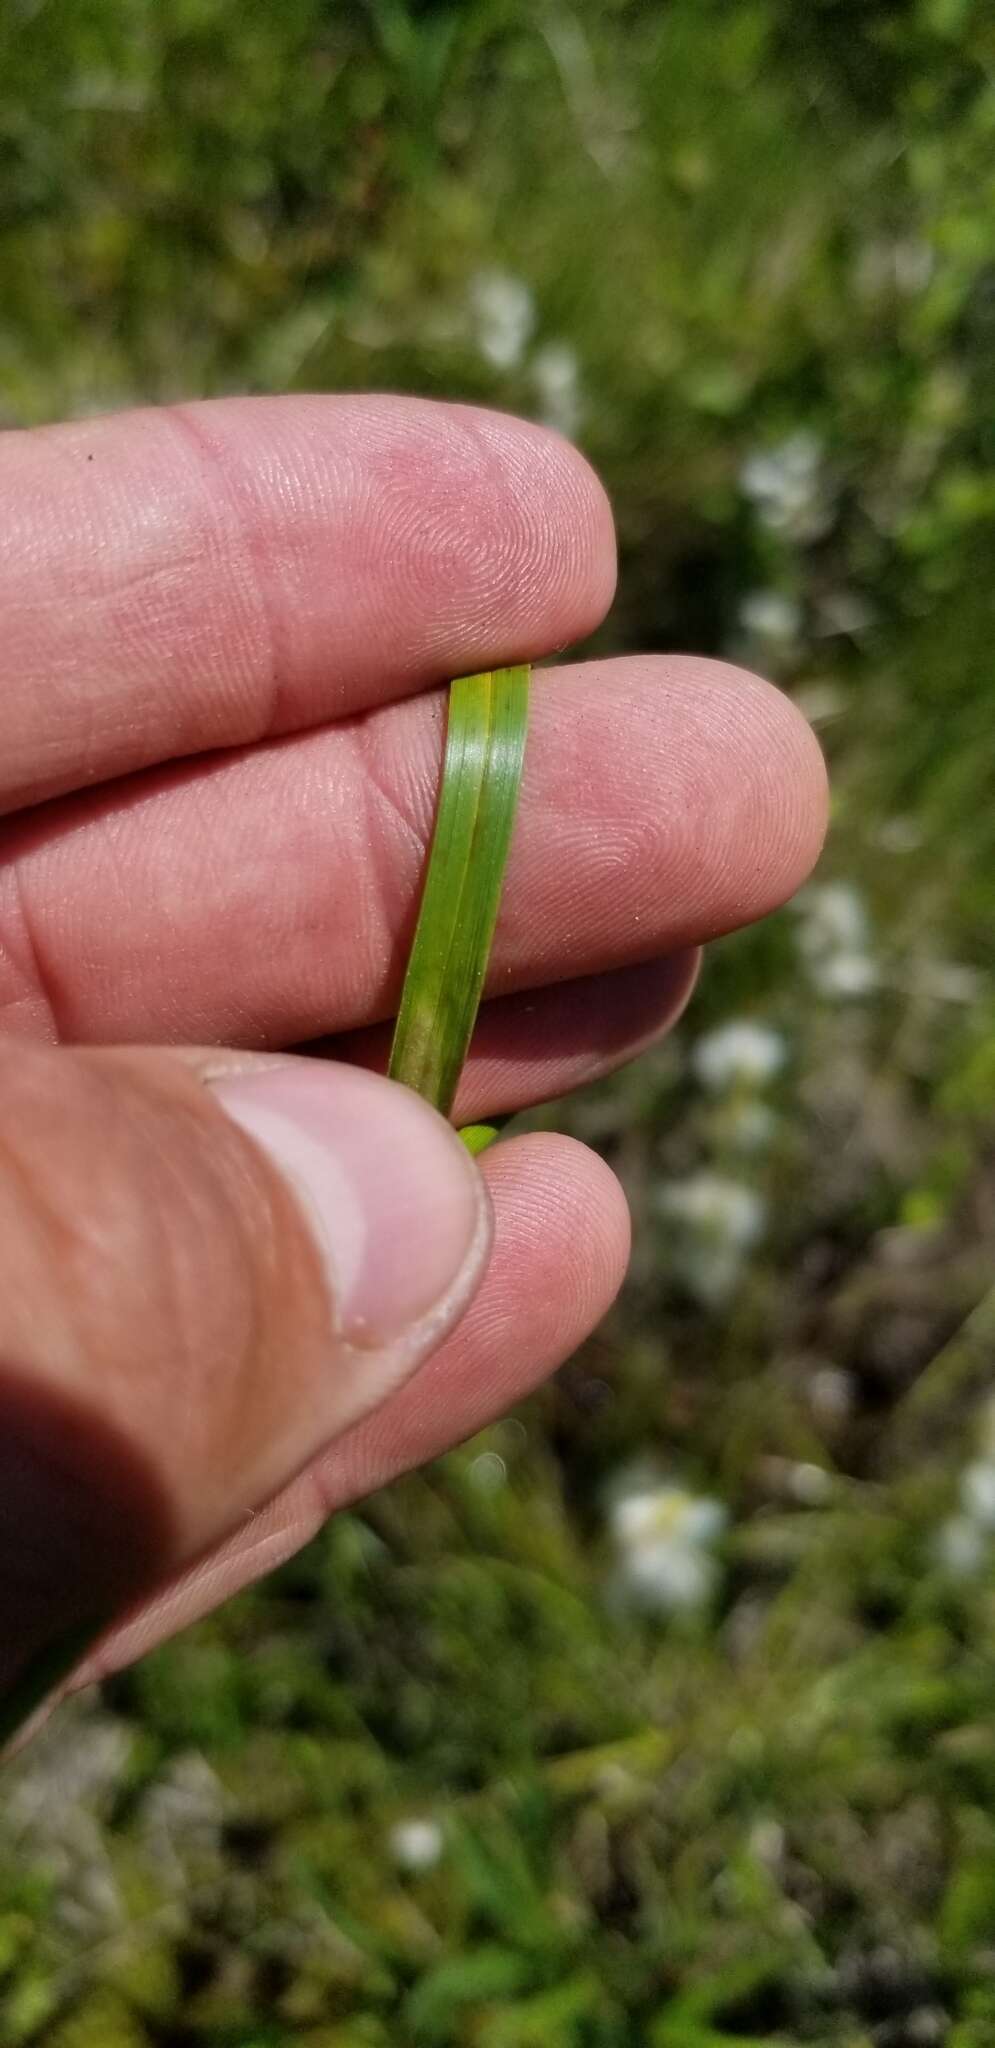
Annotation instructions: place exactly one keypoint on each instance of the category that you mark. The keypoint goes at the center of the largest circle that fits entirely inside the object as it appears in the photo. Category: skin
(226, 627)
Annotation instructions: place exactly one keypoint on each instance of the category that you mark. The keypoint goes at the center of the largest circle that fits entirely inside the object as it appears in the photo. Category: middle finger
(268, 896)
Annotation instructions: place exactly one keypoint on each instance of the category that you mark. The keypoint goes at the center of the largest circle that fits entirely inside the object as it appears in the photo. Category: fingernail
(395, 1203)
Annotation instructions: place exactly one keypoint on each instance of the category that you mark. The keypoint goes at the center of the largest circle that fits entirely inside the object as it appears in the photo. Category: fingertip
(533, 533)
(790, 771)
(579, 541)
(770, 824)
(683, 798)
(554, 1195)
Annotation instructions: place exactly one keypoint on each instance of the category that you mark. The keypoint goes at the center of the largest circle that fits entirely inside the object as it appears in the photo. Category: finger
(207, 1270)
(198, 576)
(532, 1047)
(560, 1248)
(270, 898)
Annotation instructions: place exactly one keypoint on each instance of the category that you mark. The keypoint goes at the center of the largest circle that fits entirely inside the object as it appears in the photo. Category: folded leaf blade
(482, 770)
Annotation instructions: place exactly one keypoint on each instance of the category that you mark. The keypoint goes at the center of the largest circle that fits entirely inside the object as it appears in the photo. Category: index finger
(191, 577)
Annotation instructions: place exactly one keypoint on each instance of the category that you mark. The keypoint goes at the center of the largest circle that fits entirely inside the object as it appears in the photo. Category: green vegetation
(530, 1750)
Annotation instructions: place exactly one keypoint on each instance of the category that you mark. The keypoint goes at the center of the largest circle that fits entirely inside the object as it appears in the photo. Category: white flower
(556, 378)
(977, 1492)
(504, 316)
(786, 486)
(416, 1844)
(794, 1479)
(810, 1485)
(664, 1538)
(724, 1210)
(770, 615)
(718, 1221)
(964, 1542)
(832, 1393)
(834, 940)
(904, 265)
(768, 1843)
(961, 1546)
(741, 1052)
(913, 264)
(833, 919)
(845, 974)
(669, 1511)
(767, 471)
(670, 1578)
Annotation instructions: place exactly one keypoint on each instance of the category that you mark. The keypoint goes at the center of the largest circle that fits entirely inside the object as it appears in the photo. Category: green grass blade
(478, 1137)
(482, 770)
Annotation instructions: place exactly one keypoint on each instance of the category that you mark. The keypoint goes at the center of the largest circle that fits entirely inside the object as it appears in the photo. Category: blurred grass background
(662, 1713)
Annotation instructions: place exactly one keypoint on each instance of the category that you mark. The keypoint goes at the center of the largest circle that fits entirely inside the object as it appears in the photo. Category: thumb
(210, 1264)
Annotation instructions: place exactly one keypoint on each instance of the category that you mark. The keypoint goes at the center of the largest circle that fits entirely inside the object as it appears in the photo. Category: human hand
(238, 1289)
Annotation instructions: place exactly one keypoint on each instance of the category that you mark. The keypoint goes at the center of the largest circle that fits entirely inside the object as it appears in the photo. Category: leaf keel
(481, 776)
